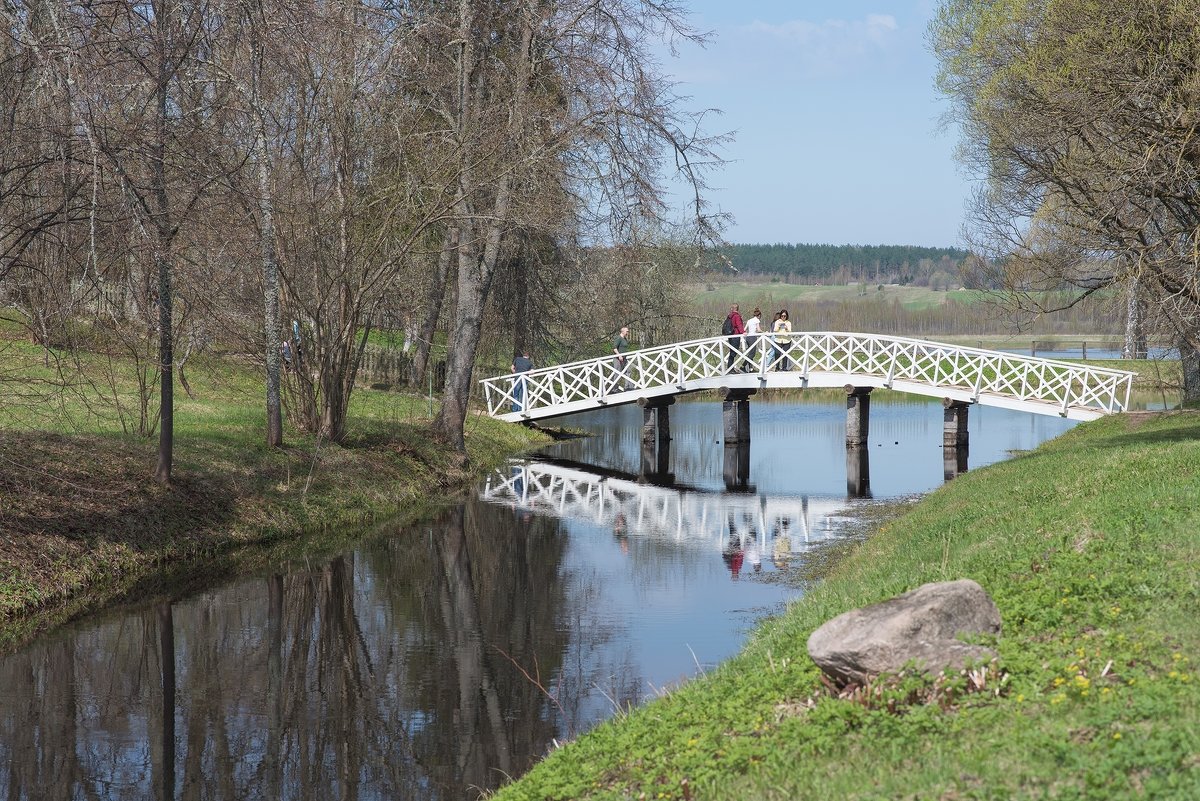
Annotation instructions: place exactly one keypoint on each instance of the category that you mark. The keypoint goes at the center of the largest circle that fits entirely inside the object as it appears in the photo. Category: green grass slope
(1090, 546)
(82, 523)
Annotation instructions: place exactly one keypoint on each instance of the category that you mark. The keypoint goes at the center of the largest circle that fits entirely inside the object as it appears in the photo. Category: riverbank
(82, 524)
(1090, 546)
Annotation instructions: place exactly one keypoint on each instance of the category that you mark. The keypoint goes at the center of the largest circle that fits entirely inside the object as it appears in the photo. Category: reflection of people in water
(732, 552)
(518, 484)
(619, 529)
(782, 550)
(753, 554)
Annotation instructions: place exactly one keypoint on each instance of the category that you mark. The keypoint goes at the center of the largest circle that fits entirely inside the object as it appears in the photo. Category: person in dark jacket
(521, 363)
(733, 329)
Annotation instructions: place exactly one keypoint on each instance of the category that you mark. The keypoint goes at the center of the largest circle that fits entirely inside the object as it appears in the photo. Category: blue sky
(837, 121)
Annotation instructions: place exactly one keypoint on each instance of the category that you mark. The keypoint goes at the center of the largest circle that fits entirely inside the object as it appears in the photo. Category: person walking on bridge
(753, 329)
(620, 348)
(784, 326)
(521, 364)
(732, 329)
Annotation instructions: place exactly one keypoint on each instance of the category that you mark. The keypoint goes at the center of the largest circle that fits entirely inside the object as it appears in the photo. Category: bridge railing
(889, 360)
(672, 513)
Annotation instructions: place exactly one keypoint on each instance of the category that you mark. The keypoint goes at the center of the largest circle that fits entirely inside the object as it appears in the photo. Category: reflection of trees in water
(491, 589)
(593, 682)
(398, 672)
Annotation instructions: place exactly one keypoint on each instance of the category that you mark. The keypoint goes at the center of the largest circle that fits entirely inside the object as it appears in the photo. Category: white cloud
(830, 46)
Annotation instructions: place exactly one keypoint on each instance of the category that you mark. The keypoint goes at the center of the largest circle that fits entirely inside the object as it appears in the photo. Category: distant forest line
(841, 264)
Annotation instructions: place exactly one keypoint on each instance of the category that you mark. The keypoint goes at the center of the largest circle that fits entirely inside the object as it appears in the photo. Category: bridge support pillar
(656, 419)
(954, 462)
(736, 470)
(858, 415)
(656, 464)
(858, 472)
(735, 412)
(954, 430)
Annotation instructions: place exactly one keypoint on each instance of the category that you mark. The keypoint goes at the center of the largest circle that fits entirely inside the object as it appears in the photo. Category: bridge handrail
(891, 358)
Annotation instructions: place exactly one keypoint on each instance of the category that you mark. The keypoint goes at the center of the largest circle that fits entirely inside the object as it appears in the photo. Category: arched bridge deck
(814, 359)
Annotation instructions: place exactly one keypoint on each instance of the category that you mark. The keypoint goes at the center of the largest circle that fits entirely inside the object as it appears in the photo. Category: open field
(1090, 546)
(770, 295)
(969, 315)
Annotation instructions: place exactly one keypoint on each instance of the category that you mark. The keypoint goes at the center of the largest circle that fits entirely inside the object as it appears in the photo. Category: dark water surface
(436, 659)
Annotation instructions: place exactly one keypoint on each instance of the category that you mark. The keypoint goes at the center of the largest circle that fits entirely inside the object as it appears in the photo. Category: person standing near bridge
(620, 348)
(784, 343)
(753, 329)
(521, 364)
(733, 329)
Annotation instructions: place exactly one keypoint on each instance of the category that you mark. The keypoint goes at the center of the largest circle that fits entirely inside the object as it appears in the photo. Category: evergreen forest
(840, 264)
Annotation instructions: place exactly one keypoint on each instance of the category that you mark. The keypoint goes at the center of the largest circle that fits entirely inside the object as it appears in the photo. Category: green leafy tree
(1081, 116)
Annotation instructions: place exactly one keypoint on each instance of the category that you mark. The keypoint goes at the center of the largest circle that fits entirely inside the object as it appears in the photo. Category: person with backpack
(733, 329)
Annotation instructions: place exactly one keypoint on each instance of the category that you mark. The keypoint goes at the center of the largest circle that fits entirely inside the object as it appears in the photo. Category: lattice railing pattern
(674, 514)
(681, 366)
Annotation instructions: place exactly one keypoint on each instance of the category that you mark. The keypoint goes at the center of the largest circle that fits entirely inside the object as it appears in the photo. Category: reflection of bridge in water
(759, 527)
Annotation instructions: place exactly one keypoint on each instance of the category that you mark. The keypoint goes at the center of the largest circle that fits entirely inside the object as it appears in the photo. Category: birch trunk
(266, 237)
(1135, 335)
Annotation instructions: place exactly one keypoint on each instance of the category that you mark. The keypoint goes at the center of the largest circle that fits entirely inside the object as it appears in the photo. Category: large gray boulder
(922, 625)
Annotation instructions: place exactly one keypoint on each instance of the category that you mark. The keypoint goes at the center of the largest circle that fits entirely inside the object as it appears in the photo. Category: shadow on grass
(93, 490)
(1140, 429)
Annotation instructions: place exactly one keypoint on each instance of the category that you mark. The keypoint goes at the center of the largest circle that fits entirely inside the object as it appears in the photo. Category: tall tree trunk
(522, 335)
(433, 307)
(475, 273)
(166, 356)
(1189, 362)
(1135, 335)
(162, 258)
(266, 235)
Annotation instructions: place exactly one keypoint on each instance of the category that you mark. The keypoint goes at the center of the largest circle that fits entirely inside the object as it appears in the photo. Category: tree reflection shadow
(401, 670)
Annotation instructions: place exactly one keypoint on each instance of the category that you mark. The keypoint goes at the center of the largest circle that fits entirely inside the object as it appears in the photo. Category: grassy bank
(82, 524)
(1090, 546)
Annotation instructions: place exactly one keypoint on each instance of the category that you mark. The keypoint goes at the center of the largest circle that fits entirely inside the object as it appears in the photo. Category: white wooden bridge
(814, 359)
(709, 520)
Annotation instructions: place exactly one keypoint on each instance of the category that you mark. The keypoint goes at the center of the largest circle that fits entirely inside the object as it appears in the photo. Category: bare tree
(553, 94)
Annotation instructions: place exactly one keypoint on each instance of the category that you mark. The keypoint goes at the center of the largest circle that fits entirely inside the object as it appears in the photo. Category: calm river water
(436, 659)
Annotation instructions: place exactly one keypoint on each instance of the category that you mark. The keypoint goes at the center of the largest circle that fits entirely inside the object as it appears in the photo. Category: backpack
(727, 326)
